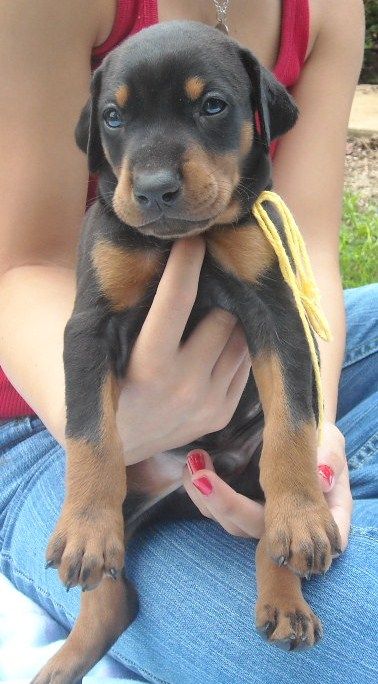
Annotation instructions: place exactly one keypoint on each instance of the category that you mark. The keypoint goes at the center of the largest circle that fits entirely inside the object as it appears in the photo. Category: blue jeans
(196, 582)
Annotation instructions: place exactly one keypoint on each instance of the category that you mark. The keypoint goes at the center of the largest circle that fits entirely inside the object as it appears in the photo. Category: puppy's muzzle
(161, 188)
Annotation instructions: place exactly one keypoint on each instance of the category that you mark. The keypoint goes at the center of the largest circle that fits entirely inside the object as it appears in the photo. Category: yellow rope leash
(301, 280)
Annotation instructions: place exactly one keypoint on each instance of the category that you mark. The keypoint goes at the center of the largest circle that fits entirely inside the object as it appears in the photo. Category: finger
(195, 495)
(174, 298)
(199, 500)
(230, 509)
(342, 518)
(208, 340)
(331, 457)
(238, 383)
(341, 505)
(330, 465)
(199, 459)
(230, 359)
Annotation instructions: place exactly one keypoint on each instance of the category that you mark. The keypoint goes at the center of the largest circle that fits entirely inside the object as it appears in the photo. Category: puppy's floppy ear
(87, 132)
(276, 108)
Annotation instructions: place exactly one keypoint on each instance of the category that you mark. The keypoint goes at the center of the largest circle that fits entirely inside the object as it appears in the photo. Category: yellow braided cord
(301, 281)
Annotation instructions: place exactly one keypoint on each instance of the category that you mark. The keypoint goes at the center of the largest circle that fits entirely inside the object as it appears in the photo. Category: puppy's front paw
(87, 543)
(303, 535)
(288, 623)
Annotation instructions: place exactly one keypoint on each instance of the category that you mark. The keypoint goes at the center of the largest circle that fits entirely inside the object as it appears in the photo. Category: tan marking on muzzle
(200, 184)
(124, 203)
(230, 214)
(209, 181)
(194, 87)
(227, 166)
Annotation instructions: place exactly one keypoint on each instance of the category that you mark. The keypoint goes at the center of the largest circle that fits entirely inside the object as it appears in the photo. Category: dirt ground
(361, 167)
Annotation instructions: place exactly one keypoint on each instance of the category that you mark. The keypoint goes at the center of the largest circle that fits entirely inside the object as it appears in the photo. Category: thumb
(330, 456)
(330, 467)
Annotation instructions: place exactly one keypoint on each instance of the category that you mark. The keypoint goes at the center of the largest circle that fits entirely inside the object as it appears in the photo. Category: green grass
(358, 241)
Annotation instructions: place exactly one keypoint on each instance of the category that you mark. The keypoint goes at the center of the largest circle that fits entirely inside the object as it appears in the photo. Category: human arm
(44, 81)
(314, 154)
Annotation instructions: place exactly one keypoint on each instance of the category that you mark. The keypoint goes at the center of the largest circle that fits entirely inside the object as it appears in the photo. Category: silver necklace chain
(222, 9)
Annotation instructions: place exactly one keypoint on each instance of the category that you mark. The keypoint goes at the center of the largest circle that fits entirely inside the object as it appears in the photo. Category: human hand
(334, 478)
(216, 500)
(245, 518)
(174, 393)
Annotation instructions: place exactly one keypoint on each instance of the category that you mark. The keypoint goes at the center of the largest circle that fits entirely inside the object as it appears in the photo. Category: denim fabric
(196, 583)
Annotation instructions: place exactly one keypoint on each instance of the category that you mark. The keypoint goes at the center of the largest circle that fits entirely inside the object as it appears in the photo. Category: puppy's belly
(155, 487)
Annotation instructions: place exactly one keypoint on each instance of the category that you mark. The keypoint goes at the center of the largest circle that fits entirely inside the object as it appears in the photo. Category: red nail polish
(327, 473)
(196, 461)
(203, 485)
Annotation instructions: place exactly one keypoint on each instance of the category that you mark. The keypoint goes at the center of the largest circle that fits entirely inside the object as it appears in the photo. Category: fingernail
(327, 474)
(196, 461)
(203, 485)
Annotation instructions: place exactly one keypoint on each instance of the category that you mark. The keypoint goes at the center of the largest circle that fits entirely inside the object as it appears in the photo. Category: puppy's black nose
(161, 187)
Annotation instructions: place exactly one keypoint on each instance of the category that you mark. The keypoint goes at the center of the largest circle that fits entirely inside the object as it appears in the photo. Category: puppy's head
(170, 129)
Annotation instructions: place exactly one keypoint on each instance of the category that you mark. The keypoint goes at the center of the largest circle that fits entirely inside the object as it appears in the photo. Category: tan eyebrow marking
(121, 95)
(194, 87)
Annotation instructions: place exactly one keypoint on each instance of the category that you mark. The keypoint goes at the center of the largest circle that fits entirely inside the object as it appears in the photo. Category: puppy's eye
(112, 118)
(213, 105)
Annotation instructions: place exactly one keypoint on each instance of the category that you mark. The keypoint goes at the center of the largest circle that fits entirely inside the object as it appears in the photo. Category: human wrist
(134, 454)
(330, 413)
(135, 444)
(35, 304)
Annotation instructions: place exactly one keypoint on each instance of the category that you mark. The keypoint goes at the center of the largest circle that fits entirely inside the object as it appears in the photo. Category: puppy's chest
(128, 277)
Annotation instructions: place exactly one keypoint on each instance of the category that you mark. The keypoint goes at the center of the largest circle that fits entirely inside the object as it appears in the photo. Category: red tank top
(131, 17)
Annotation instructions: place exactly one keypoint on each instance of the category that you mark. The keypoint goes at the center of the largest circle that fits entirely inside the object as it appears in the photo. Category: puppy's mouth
(170, 228)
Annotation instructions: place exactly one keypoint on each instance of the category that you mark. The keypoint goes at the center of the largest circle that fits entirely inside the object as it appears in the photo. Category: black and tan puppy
(170, 131)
